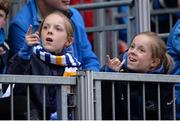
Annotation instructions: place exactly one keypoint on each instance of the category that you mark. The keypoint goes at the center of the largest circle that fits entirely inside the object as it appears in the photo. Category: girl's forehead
(54, 18)
(143, 40)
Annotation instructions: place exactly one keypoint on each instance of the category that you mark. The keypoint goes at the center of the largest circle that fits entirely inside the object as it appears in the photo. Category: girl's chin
(49, 49)
(132, 67)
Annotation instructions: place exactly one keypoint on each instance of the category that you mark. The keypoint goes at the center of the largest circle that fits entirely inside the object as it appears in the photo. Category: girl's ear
(69, 41)
(155, 62)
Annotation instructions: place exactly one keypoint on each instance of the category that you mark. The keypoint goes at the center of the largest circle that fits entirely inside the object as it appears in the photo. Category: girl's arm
(30, 40)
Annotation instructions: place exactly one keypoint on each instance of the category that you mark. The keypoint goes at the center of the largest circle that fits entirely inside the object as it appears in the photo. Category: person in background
(4, 48)
(34, 11)
(173, 48)
(146, 54)
(163, 19)
(44, 53)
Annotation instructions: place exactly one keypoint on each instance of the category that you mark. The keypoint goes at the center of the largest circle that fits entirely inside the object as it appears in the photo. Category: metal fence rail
(87, 90)
(98, 77)
(62, 91)
(168, 12)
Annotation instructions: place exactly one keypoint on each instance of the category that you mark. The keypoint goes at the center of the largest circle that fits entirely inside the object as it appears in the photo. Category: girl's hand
(1, 51)
(114, 64)
(31, 39)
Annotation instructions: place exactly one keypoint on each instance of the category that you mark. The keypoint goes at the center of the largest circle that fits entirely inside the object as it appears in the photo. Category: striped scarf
(67, 60)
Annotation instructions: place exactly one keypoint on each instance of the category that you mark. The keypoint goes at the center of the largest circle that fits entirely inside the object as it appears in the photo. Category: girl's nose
(133, 51)
(50, 30)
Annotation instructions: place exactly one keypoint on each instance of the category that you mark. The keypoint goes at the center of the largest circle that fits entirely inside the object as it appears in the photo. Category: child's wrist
(25, 52)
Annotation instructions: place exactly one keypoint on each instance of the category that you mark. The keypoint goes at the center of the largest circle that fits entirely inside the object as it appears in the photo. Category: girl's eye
(45, 27)
(59, 29)
(132, 46)
(141, 50)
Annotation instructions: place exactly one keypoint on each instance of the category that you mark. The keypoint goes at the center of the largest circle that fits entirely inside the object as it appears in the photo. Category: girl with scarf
(4, 10)
(146, 54)
(45, 57)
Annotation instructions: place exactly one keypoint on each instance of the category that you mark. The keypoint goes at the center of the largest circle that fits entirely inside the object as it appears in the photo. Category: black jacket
(36, 67)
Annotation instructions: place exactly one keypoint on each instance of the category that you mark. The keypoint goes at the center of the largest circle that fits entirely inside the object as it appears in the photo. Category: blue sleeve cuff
(25, 52)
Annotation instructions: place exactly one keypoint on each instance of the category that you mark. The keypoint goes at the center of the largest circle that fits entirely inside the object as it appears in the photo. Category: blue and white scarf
(71, 63)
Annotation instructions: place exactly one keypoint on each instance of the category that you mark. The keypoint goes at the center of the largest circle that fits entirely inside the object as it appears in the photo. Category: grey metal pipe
(100, 5)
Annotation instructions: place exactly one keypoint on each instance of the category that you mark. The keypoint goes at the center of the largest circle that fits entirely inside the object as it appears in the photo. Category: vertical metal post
(174, 103)
(98, 108)
(159, 102)
(80, 98)
(89, 95)
(128, 101)
(143, 15)
(28, 102)
(100, 39)
(12, 102)
(131, 28)
(62, 106)
(144, 100)
(44, 102)
(85, 96)
(113, 102)
(114, 38)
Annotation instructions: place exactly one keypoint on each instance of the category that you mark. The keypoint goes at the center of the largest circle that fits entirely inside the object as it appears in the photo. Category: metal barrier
(87, 91)
(97, 77)
(62, 92)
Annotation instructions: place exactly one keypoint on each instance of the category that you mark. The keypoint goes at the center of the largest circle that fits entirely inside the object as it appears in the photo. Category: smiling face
(140, 54)
(54, 33)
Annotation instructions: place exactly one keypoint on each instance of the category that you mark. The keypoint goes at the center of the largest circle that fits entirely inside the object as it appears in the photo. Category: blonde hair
(5, 5)
(158, 48)
(67, 23)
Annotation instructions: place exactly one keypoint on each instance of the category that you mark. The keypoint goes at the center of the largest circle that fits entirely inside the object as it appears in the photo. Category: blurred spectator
(173, 48)
(87, 16)
(4, 48)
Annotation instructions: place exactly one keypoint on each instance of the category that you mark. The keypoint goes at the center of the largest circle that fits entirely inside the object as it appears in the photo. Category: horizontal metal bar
(106, 28)
(165, 11)
(136, 77)
(164, 35)
(99, 5)
(34, 79)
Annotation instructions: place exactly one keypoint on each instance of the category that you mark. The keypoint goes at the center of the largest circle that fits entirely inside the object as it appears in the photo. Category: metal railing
(169, 12)
(87, 91)
(62, 91)
(97, 77)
